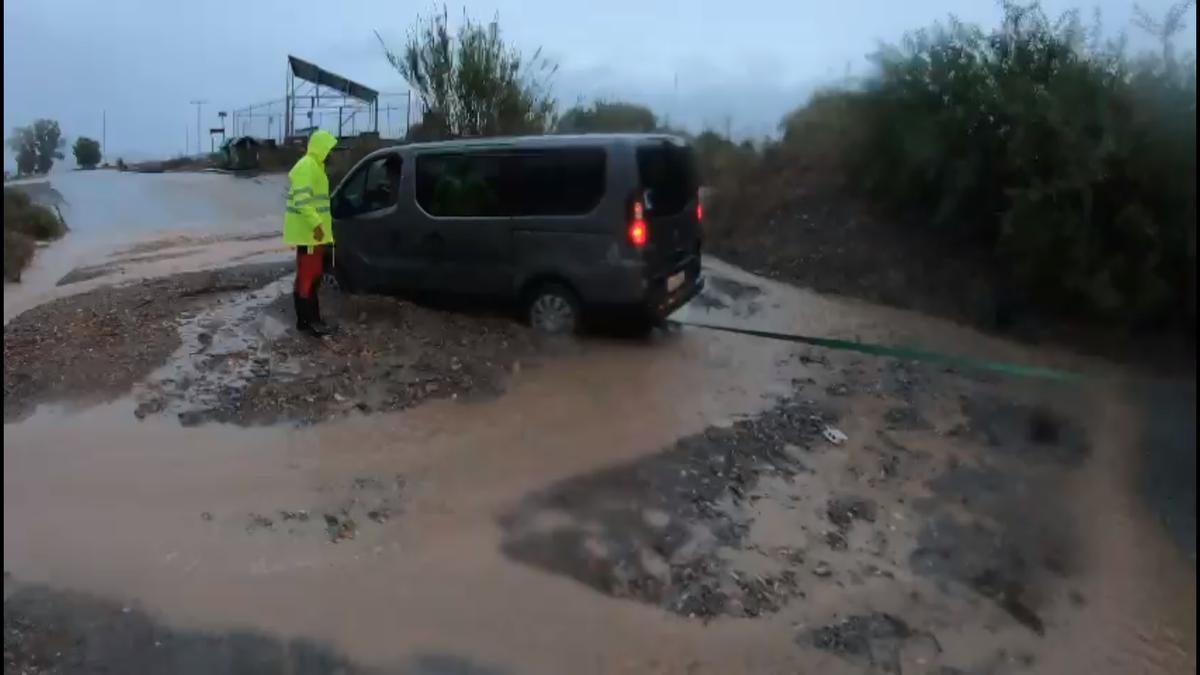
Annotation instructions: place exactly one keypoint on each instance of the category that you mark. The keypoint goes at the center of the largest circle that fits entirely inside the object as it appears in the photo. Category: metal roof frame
(310, 72)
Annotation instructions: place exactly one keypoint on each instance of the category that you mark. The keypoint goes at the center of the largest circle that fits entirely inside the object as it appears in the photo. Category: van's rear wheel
(553, 309)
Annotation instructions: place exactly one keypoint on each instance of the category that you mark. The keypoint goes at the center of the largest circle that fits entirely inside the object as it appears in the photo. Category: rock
(875, 637)
(259, 521)
(843, 511)
(340, 529)
(836, 540)
(822, 570)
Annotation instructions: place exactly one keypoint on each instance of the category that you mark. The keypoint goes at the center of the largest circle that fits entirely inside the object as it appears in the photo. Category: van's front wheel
(553, 309)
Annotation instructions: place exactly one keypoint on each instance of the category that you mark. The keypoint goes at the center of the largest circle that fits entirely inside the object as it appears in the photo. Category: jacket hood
(320, 143)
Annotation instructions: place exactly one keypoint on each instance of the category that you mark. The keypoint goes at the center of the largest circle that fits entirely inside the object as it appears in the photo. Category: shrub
(721, 160)
(607, 117)
(25, 223)
(32, 220)
(1073, 165)
(18, 251)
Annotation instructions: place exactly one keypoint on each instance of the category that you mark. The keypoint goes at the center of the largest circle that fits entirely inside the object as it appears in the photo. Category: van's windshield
(668, 178)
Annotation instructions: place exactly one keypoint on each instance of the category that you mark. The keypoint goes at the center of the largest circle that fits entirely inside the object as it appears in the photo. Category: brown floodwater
(169, 519)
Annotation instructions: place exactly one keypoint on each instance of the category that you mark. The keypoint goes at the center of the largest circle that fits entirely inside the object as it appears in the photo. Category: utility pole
(199, 103)
(103, 132)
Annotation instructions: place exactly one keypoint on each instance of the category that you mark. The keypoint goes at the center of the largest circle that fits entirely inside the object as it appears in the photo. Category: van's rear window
(668, 178)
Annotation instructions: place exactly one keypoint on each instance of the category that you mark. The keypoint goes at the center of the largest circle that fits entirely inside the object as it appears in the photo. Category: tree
(1164, 30)
(24, 149)
(472, 83)
(608, 117)
(87, 152)
(36, 146)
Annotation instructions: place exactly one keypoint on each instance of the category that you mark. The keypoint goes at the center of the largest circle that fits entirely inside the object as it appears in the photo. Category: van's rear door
(669, 186)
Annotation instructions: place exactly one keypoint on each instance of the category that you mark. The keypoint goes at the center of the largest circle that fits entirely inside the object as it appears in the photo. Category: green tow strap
(901, 353)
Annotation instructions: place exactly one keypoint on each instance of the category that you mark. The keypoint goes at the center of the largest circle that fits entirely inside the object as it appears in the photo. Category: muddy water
(432, 578)
(170, 519)
(109, 210)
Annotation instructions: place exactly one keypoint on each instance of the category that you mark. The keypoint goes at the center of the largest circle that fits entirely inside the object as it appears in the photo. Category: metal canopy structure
(310, 72)
(312, 90)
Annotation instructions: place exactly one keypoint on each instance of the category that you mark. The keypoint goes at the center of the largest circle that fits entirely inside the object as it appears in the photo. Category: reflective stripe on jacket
(308, 195)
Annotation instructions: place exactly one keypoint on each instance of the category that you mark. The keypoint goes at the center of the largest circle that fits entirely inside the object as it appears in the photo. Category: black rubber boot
(301, 312)
(316, 327)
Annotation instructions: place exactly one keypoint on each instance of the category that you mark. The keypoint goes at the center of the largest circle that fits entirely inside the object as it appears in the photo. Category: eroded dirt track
(599, 506)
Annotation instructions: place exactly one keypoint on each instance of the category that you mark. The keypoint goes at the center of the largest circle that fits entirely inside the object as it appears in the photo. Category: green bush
(1069, 162)
(607, 117)
(18, 251)
(25, 224)
(32, 220)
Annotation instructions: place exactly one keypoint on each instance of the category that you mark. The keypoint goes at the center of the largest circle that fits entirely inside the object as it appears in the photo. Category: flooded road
(382, 538)
(675, 505)
(108, 211)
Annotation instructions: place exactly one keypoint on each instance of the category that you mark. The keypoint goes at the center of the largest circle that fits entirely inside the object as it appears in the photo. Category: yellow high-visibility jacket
(308, 195)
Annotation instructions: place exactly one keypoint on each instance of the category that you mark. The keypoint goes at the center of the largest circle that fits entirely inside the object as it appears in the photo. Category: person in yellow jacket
(308, 226)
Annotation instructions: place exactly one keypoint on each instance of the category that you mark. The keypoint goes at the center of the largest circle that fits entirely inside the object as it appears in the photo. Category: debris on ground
(97, 345)
(876, 638)
(374, 499)
(386, 354)
(229, 353)
(704, 487)
(843, 511)
(53, 631)
(834, 435)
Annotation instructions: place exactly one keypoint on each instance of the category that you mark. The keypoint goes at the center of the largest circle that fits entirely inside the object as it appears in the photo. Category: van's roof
(547, 141)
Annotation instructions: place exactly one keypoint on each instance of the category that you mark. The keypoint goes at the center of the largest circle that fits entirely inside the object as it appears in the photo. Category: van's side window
(535, 182)
(373, 187)
(459, 184)
(554, 181)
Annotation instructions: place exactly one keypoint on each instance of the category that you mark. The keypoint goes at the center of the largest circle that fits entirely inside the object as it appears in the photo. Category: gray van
(561, 225)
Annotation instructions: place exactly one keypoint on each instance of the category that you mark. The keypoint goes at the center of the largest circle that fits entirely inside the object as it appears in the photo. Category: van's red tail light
(699, 212)
(638, 232)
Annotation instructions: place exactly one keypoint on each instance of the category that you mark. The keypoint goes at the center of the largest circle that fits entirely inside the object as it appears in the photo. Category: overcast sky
(747, 61)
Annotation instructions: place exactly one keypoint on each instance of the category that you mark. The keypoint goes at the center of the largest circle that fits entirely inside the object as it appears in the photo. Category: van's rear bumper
(661, 305)
(629, 287)
(660, 302)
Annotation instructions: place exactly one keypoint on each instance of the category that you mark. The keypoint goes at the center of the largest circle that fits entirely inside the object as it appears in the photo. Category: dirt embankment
(793, 226)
